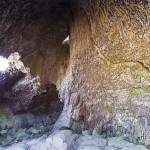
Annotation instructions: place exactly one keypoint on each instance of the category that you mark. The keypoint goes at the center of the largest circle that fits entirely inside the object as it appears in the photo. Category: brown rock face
(36, 30)
(108, 83)
(104, 80)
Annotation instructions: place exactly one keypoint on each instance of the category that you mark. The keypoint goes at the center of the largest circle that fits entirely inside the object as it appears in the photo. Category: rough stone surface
(66, 140)
(104, 81)
(108, 80)
(19, 86)
(25, 110)
(36, 31)
(96, 141)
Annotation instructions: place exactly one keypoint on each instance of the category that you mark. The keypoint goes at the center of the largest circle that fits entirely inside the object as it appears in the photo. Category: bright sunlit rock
(3, 63)
(66, 41)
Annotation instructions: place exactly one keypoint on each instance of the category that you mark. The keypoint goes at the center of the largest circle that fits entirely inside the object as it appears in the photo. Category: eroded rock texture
(36, 30)
(26, 111)
(104, 81)
(67, 140)
(108, 85)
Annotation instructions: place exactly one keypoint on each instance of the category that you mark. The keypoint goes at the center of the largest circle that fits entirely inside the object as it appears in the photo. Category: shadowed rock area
(26, 111)
(36, 30)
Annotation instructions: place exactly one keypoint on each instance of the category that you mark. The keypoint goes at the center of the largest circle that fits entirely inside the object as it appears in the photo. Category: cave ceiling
(20, 19)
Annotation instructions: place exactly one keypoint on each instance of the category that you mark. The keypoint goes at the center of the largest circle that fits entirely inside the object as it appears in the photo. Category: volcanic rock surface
(26, 111)
(102, 76)
(107, 84)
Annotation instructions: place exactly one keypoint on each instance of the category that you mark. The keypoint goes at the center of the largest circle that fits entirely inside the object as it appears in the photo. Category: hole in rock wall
(3, 63)
(26, 110)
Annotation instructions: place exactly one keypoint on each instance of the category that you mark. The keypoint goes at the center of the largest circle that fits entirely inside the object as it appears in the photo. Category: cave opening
(27, 110)
(36, 59)
(3, 63)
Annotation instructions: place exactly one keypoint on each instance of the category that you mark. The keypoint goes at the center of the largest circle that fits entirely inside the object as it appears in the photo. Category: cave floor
(26, 126)
(67, 140)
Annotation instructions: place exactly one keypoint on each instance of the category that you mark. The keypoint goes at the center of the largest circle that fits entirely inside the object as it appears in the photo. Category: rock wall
(108, 85)
(26, 111)
(36, 30)
(104, 80)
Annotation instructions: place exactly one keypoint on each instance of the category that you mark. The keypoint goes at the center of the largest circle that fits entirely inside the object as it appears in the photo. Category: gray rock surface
(67, 140)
